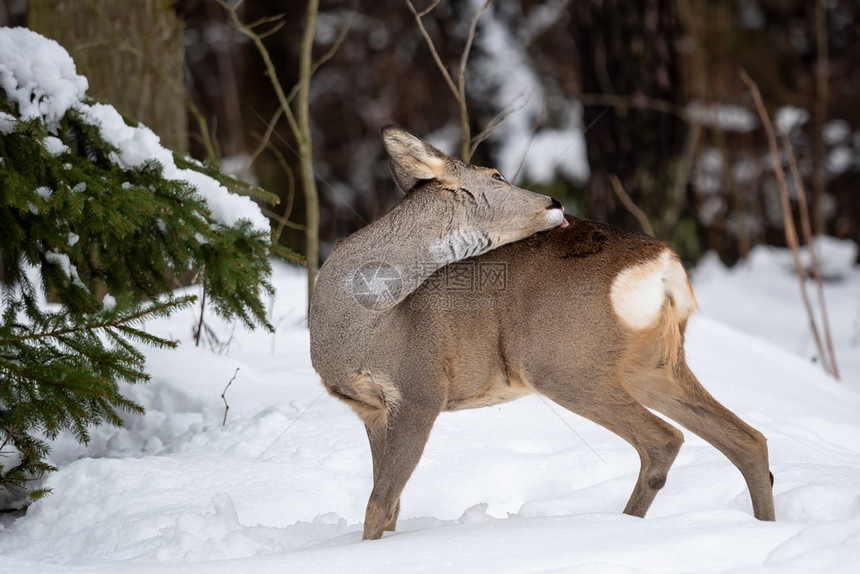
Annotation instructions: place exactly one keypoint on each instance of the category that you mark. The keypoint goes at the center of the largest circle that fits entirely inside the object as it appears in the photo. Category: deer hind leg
(681, 397)
(395, 456)
(656, 441)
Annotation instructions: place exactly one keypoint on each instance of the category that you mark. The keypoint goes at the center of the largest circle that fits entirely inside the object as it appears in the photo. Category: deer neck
(396, 254)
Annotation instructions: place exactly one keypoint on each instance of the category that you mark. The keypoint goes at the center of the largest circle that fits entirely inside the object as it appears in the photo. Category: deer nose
(556, 204)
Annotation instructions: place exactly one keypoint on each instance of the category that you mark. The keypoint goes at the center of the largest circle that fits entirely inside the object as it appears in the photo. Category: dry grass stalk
(631, 207)
(806, 228)
(790, 231)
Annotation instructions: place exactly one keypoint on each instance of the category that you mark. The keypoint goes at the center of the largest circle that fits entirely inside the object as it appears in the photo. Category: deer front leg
(396, 453)
(376, 433)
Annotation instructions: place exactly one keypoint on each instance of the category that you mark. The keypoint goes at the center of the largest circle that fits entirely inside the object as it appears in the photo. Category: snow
(55, 146)
(757, 294)
(65, 264)
(506, 72)
(138, 145)
(524, 486)
(7, 123)
(558, 151)
(836, 132)
(789, 117)
(40, 78)
(723, 116)
(840, 160)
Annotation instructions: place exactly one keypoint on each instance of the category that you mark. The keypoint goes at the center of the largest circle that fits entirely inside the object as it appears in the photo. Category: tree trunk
(627, 50)
(131, 52)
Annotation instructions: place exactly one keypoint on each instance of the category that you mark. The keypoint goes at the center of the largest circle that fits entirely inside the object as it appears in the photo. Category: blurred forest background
(589, 98)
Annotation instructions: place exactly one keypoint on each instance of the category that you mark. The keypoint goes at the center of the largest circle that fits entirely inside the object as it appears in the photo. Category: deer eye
(498, 177)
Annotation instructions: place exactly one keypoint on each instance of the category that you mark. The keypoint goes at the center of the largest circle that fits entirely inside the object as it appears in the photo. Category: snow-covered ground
(521, 487)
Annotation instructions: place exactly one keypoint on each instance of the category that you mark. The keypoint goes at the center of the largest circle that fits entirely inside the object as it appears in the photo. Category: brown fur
(552, 328)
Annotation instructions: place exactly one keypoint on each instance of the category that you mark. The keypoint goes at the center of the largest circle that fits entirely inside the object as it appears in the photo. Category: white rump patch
(459, 246)
(639, 291)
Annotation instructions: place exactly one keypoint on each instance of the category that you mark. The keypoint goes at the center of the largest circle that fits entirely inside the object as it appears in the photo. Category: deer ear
(411, 159)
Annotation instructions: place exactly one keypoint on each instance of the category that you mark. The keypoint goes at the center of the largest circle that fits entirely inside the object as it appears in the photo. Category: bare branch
(335, 45)
(469, 40)
(264, 141)
(638, 102)
(299, 123)
(459, 90)
(428, 9)
(266, 20)
(468, 150)
(267, 60)
(432, 47)
(272, 30)
(283, 220)
(790, 231)
(631, 207)
(325, 58)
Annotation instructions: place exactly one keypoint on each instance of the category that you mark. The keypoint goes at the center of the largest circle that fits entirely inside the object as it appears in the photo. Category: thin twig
(638, 102)
(432, 47)
(790, 231)
(200, 322)
(333, 190)
(266, 20)
(267, 61)
(224, 397)
(497, 121)
(335, 45)
(264, 141)
(631, 207)
(429, 9)
(283, 220)
(468, 150)
(516, 176)
(459, 90)
(806, 227)
(270, 127)
(271, 30)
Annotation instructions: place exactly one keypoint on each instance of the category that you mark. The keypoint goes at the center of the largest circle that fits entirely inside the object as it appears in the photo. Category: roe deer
(588, 315)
